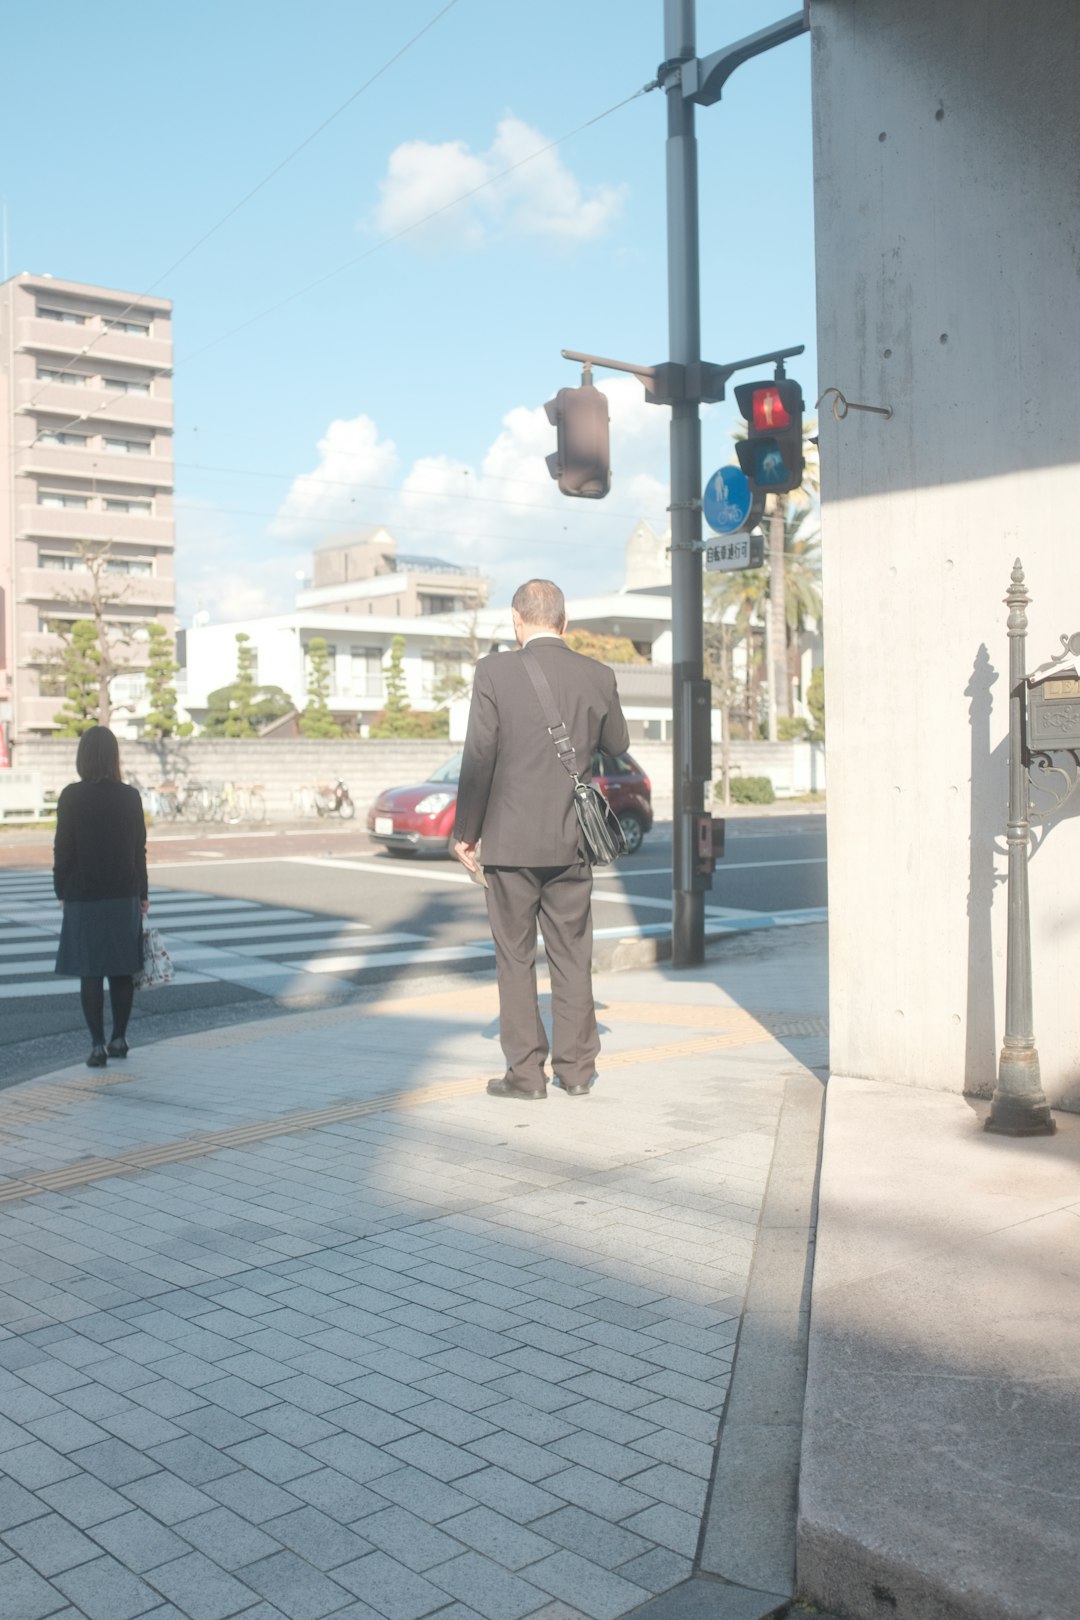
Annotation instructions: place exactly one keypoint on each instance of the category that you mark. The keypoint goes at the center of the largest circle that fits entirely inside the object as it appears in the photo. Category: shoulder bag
(601, 831)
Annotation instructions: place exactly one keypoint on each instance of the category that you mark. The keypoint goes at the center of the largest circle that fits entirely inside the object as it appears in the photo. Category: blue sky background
(433, 355)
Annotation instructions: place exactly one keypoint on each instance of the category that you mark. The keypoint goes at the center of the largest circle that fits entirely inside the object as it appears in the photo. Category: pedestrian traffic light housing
(771, 455)
(582, 462)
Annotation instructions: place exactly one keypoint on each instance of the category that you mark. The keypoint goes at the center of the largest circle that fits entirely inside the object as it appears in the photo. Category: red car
(420, 819)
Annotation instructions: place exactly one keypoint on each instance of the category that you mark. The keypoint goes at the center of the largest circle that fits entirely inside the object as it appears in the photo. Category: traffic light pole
(684, 347)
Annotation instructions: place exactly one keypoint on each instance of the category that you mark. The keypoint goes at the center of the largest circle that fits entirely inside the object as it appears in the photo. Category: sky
(339, 365)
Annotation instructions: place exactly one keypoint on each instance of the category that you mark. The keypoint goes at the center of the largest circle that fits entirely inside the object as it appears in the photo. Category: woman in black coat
(99, 874)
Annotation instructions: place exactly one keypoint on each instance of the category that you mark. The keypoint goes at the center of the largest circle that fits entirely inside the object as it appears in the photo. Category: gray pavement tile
(688, 1420)
(298, 1590)
(668, 1446)
(409, 1539)
(105, 1590)
(17, 1505)
(628, 1369)
(428, 1498)
(408, 1370)
(234, 1395)
(104, 1328)
(534, 1364)
(321, 1364)
(391, 1590)
(53, 1377)
(251, 1496)
(597, 1494)
(17, 1356)
(85, 1501)
(434, 1456)
(603, 1456)
(189, 1371)
(65, 1431)
(447, 1421)
(351, 1455)
(488, 1532)
(669, 1527)
(539, 1393)
(271, 1342)
(225, 1538)
(594, 1591)
(387, 1393)
(200, 1589)
(209, 1423)
(166, 1398)
(335, 1494)
(49, 1545)
(167, 1498)
(621, 1427)
(192, 1459)
(658, 1570)
(138, 1541)
(318, 1538)
(297, 1427)
(371, 1423)
(539, 1427)
(518, 1456)
(310, 1393)
(481, 1341)
(37, 1464)
(674, 1486)
(594, 1538)
(486, 1587)
(507, 1494)
(23, 1404)
(688, 1391)
(597, 1386)
(140, 1428)
(26, 1595)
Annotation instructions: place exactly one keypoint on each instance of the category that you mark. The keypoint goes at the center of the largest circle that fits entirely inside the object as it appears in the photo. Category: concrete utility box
(22, 796)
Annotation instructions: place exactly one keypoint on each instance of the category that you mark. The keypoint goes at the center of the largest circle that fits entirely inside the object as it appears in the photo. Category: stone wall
(282, 765)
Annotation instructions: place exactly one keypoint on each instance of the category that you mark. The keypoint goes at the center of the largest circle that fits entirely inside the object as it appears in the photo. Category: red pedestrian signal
(582, 461)
(771, 455)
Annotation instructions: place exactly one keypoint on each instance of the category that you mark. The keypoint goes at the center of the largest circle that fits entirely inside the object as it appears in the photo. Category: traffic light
(771, 455)
(582, 462)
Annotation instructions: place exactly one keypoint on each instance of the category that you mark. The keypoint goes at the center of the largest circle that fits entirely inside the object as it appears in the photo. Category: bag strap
(556, 730)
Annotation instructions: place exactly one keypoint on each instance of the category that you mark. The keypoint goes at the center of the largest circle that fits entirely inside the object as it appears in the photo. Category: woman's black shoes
(117, 1047)
(98, 1058)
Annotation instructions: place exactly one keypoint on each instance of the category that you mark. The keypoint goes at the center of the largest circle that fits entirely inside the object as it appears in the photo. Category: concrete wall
(367, 766)
(947, 189)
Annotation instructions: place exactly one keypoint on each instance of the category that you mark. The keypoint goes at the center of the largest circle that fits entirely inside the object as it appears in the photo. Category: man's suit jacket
(514, 791)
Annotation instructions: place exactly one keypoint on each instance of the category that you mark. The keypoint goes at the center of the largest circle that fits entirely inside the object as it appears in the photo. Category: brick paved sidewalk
(295, 1321)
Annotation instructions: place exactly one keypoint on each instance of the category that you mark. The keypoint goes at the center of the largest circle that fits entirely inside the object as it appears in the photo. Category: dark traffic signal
(771, 455)
(582, 462)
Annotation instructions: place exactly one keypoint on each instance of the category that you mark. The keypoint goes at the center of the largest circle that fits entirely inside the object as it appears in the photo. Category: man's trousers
(558, 898)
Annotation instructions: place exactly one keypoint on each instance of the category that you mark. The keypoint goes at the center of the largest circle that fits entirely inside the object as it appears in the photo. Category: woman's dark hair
(97, 758)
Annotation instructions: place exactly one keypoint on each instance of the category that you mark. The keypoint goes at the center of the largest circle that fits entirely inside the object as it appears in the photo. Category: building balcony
(101, 466)
(99, 406)
(71, 524)
(64, 340)
(57, 588)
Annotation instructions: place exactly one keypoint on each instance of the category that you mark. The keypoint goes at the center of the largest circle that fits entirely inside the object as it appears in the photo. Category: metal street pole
(684, 338)
(1019, 1107)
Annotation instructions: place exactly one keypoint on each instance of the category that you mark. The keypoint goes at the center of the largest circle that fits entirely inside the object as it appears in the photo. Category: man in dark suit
(516, 794)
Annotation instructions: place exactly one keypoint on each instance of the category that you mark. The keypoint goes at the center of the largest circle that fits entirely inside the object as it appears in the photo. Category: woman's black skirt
(100, 939)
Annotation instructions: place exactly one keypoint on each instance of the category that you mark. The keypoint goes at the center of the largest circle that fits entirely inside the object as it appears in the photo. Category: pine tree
(79, 667)
(160, 669)
(316, 719)
(396, 719)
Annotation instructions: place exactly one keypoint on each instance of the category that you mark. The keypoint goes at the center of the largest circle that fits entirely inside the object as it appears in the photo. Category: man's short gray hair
(540, 601)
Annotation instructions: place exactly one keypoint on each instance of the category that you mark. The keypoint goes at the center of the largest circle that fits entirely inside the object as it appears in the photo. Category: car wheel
(633, 831)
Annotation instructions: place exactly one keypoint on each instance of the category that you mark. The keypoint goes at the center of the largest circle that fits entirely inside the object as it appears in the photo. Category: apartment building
(364, 572)
(86, 478)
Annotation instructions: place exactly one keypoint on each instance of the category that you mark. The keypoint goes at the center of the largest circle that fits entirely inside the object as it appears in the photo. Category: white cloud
(539, 196)
(216, 574)
(336, 494)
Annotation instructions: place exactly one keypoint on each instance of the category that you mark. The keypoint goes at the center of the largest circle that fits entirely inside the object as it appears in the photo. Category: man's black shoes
(507, 1088)
(574, 1091)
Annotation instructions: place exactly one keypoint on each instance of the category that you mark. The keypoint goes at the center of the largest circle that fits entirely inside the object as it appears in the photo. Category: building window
(68, 316)
(366, 674)
(138, 567)
(141, 508)
(51, 683)
(55, 497)
(136, 328)
(443, 678)
(127, 447)
(125, 385)
(70, 379)
(59, 440)
(61, 562)
(438, 604)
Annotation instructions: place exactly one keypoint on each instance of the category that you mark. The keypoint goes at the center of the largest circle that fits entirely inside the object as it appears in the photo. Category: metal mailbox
(1053, 719)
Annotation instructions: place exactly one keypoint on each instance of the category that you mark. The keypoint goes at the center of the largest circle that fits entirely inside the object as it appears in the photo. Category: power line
(265, 181)
(396, 236)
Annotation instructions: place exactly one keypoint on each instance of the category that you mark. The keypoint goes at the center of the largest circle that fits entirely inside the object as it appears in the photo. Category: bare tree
(92, 594)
